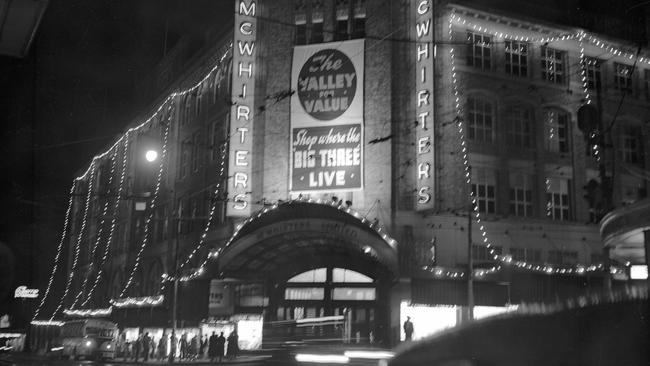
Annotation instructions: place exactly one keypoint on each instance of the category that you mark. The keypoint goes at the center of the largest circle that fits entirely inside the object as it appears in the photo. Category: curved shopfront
(313, 271)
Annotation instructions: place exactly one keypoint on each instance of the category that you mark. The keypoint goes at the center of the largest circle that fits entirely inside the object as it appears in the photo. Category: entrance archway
(352, 263)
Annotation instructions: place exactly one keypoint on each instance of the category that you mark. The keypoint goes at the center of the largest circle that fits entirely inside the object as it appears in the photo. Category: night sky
(68, 99)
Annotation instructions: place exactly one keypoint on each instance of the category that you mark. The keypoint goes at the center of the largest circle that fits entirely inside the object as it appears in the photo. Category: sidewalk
(240, 359)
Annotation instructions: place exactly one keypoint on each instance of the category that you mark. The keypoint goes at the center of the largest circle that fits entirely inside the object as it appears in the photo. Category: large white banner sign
(327, 117)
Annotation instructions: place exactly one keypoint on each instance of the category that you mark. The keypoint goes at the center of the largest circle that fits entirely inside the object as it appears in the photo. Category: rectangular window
(558, 206)
(301, 32)
(483, 189)
(480, 123)
(592, 67)
(185, 159)
(479, 50)
(623, 77)
(562, 257)
(187, 115)
(317, 31)
(631, 147)
(481, 253)
(359, 19)
(517, 58)
(304, 293)
(553, 65)
(526, 254)
(557, 131)
(519, 122)
(353, 293)
(196, 151)
(521, 195)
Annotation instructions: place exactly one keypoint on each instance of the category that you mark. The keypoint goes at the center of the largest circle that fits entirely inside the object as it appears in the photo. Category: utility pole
(470, 266)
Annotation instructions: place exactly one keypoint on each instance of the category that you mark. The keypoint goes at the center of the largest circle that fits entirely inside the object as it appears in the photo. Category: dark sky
(68, 99)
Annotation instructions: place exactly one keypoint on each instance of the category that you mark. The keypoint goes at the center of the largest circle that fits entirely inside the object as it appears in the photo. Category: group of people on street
(145, 348)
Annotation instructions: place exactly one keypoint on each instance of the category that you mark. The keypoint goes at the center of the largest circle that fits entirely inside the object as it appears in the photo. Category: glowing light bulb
(151, 155)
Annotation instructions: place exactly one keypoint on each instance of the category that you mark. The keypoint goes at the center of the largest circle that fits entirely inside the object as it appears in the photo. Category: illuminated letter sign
(24, 292)
(241, 114)
(327, 117)
(423, 98)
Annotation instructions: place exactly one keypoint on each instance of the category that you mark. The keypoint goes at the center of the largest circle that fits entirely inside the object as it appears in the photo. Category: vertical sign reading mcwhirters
(327, 117)
(424, 103)
(242, 110)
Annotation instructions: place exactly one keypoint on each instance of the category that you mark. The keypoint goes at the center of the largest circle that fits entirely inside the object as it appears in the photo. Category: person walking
(233, 346)
(183, 346)
(137, 344)
(408, 329)
(146, 343)
(194, 347)
(219, 346)
(212, 347)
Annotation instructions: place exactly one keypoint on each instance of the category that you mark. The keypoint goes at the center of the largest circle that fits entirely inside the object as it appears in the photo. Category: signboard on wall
(424, 103)
(242, 110)
(220, 300)
(327, 117)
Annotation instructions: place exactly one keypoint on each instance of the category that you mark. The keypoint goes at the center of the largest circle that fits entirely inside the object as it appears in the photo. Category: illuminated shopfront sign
(25, 293)
(423, 97)
(327, 117)
(242, 110)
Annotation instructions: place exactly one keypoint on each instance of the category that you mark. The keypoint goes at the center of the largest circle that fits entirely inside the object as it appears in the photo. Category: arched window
(480, 119)
(519, 122)
(313, 276)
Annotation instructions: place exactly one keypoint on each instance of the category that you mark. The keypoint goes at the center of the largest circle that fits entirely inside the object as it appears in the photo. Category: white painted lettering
(423, 49)
(423, 7)
(240, 157)
(424, 170)
(248, 70)
(424, 145)
(242, 134)
(423, 98)
(423, 195)
(243, 112)
(240, 202)
(423, 119)
(246, 28)
(250, 11)
(240, 180)
(246, 48)
(422, 29)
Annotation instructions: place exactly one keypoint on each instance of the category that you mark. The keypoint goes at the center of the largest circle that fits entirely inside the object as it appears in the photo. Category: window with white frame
(520, 126)
(557, 132)
(483, 189)
(317, 27)
(300, 20)
(631, 147)
(479, 50)
(623, 77)
(562, 256)
(480, 115)
(558, 206)
(592, 67)
(517, 58)
(342, 20)
(553, 65)
(526, 254)
(521, 195)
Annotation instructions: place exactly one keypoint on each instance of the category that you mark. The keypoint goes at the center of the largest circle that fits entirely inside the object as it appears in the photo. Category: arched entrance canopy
(297, 235)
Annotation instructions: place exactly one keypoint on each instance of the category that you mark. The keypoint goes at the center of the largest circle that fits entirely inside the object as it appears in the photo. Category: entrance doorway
(333, 304)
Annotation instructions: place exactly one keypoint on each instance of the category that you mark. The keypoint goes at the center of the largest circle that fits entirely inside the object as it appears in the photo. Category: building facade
(353, 160)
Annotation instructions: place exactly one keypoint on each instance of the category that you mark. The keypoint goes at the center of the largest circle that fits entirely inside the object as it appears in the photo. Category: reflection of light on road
(305, 357)
(374, 355)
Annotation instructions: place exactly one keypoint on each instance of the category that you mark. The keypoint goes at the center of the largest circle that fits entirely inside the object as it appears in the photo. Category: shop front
(311, 272)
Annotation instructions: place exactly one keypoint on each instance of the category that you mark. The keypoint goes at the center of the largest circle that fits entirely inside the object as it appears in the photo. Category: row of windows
(519, 125)
(309, 17)
(194, 152)
(520, 198)
(532, 255)
(553, 64)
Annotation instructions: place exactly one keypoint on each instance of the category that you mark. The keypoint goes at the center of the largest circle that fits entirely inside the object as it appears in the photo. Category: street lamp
(151, 155)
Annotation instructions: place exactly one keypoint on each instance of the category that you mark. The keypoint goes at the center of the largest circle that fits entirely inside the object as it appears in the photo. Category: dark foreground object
(605, 332)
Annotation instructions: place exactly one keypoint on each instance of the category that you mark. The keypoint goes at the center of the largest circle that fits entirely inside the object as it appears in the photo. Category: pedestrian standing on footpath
(162, 347)
(194, 347)
(172, 347)
(146, 343)
(212, 347)
(408, 329)
(204, 342)
(136, 348)
(233, 345)
(220, 346)
(183, 346)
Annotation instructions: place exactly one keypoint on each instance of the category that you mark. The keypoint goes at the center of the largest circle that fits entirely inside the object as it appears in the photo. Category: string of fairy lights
(503, 259)
(98, 239)
(82, 229)
(58, 250)
(124, 139)
(116, 206)
(581, 36)
(161, 168)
